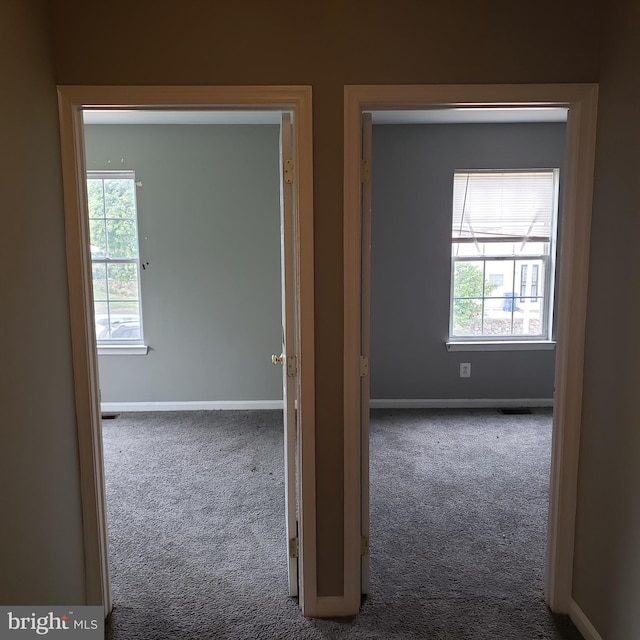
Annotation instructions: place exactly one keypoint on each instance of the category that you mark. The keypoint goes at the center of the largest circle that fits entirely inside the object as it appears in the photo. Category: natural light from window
(113, 231)
(503, 250)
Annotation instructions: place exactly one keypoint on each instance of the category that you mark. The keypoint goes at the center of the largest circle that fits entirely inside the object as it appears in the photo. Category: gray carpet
(458, 517)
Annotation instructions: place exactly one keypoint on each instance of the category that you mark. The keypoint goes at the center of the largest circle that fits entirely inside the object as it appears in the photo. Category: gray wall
(209, 227)
(412, 187)
(607, 560)
(41, 548)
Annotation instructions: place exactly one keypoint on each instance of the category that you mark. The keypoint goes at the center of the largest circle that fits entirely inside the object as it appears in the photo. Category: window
(113, 235)
(503, 247)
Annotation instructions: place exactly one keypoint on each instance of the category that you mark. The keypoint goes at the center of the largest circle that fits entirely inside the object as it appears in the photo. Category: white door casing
(288, 358)
(365, 180)
(72, 100)
(581, 101)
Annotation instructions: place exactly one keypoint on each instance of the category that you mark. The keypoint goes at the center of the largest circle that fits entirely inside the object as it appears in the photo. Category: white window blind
(503, 206)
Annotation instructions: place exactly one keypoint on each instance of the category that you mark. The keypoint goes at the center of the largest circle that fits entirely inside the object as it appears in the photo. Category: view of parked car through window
(113, 231)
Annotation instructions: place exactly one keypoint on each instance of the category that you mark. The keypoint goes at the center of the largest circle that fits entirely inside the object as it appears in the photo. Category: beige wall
(607, 561)
(325, 44)
(329, 45)
(41, 555)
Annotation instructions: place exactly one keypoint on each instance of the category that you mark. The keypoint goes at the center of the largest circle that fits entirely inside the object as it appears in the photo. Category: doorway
(580, 100)
(296, 152)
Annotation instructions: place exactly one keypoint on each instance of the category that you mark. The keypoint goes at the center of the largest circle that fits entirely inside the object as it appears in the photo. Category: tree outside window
(502, 246)
(113, 232)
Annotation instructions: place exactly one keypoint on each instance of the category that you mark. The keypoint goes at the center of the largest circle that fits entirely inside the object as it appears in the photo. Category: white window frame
(545, 339)
(121, 346)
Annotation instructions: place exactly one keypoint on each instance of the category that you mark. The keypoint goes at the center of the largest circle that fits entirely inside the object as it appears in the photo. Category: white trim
(122, 349)
(365, 383)
(459, 403)
(71, 101)
(583, 623)
(193, 405)
(505, 345)
(332, 607)
(287, 271)
(577, 182)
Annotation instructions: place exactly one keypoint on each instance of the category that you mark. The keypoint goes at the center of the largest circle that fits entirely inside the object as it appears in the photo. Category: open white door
(288, 358)
(365, 179)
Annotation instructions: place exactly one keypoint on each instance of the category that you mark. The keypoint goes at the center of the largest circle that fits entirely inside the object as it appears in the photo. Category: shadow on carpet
(458, 523)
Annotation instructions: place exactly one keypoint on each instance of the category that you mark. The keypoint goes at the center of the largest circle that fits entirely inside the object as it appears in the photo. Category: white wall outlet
(465, 369)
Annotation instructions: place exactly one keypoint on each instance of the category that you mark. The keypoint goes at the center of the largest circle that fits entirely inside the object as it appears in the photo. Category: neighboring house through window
(113, 231)
(503, 250)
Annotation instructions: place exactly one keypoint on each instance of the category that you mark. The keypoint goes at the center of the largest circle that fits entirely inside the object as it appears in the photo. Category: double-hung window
(113, 236)
(502, 255)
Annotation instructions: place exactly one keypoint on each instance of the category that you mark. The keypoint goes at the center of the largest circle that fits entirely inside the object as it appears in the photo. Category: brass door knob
(277, 359)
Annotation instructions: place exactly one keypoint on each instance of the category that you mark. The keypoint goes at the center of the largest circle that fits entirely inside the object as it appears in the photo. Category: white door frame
(581, 101)
(71, 101)
(287, 278)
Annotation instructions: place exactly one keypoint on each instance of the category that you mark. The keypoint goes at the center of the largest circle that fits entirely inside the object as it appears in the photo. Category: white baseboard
(206, 405)
(459, 403)
(330, 607)
(582, 622)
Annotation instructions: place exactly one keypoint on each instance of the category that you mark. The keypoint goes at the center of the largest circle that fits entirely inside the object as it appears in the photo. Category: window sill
(123, 349)
(505, 345)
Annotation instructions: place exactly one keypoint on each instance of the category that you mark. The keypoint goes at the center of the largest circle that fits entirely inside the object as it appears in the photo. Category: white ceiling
(430, 116)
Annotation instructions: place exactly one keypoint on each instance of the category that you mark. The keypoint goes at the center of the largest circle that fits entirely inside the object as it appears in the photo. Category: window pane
(101, 313)
(122, 239)
(498, 278)
(94, 197)
(535, 281)
(524, 281)
(119, 197)
(123, 282)
(528, 320)
(531, 248)
(125, 320)
(468, 279)
(465, 250)
(531, 273)
(98, 238)
(498, 248)
(467, 317)
(99, 281)
(497, 316)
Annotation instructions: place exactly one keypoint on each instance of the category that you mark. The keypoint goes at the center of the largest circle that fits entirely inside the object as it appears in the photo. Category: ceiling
(430, 116)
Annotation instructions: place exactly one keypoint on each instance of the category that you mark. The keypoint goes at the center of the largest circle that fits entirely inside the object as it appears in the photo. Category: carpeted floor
(458, 525)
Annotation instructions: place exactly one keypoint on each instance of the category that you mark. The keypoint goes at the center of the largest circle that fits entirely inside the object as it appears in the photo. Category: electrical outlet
(465, 369)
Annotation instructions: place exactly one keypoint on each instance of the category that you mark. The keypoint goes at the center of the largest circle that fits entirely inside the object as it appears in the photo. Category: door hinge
(364, 546)
(364, 366)
(288, 171)
(292, 366)
(365, 171)
(293, 547)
